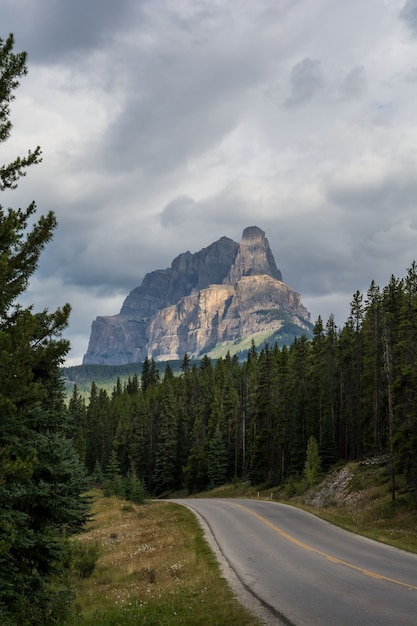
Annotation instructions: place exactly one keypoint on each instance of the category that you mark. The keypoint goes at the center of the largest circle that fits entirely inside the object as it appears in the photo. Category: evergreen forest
(345, 394)
(353, 390)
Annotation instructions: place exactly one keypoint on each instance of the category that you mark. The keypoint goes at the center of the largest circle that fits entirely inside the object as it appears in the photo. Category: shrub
(85, 557)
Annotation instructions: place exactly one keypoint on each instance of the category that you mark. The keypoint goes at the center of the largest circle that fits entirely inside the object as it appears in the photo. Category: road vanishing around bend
(305, 571)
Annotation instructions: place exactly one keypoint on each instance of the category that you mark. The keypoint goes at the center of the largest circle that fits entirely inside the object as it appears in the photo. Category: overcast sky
(166, 124)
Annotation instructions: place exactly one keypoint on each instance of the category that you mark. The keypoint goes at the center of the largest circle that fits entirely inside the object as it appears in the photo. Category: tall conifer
(40, 476)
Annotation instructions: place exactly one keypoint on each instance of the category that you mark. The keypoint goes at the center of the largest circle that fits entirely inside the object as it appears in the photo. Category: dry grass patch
(154, 568)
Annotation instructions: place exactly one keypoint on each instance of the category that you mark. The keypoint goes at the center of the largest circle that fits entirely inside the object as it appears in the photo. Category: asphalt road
(306, 571)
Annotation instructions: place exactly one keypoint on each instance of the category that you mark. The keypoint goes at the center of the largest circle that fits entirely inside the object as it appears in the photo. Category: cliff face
(220, 296)
(253, 257)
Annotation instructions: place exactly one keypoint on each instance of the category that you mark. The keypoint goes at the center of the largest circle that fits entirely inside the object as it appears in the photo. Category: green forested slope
(351, 389)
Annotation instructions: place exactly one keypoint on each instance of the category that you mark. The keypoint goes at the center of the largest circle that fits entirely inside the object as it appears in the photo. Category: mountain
(218, 299)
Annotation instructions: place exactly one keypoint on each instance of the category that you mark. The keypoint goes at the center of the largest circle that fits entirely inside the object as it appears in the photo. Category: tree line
(353, 389)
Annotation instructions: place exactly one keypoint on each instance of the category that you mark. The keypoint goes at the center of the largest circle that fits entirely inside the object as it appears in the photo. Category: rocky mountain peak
(253, 232)
(253, 258)
(225, 295)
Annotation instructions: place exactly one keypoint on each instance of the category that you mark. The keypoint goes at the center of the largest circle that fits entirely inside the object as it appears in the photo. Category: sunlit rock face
(225, 295)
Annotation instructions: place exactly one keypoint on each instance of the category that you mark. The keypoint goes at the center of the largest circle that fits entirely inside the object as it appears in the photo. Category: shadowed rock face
(221, 294)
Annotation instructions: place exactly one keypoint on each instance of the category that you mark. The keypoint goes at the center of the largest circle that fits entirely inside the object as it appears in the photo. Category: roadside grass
(369, 509)
(154, 568)
(363, 506)
(150, 564)
(390, 522)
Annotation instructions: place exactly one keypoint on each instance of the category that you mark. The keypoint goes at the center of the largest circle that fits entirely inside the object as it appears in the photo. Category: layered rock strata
(219, 295)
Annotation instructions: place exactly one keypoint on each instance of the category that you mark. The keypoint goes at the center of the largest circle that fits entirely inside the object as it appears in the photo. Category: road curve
(306, 571)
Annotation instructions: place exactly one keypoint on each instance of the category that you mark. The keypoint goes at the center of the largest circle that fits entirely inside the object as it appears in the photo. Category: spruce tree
(166, 468)
(77, 417)
(312, 467)
(217, 459)
(195, 470)
(298, 409)
(113, 483)
(405, 441)
(373, 382)
(264, 455)
(41, 478)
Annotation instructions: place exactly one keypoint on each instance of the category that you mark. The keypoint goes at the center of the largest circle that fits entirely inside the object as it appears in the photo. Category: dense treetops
(348, 393)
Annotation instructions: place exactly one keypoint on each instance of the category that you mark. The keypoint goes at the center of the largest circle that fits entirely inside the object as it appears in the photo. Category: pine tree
(333, 381)
(393, 306)
(248, 409)
(323, 384)
(113, 483)
(312, 467)
(120, 426)
(351, 360)
(264, 452)
(298, 391)
(185, 408)
(132, 386)
(41, 478)
(99, 429)
(327, 449)
(405, 438)
(195, 470)
(166, 469)
(135, 490)
(138, 452)
(374, 395)
(77, 418)
(217, 459)
(150, 374)
(283, 409)
(97, 476)
(318, 377)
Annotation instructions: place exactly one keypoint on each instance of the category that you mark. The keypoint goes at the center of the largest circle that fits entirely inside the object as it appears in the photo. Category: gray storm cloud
(165, 126)
(307, 80)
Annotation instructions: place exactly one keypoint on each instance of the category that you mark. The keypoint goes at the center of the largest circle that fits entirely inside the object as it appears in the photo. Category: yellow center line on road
(305, 546)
